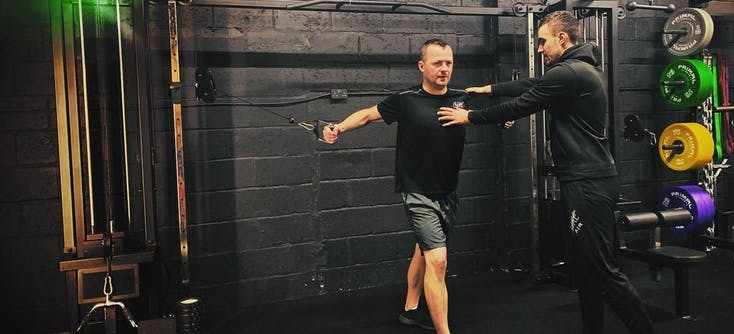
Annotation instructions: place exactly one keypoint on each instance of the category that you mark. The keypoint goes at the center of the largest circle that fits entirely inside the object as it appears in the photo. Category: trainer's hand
(331, 133)
(507, 124)
(453, 116)
(479, 90)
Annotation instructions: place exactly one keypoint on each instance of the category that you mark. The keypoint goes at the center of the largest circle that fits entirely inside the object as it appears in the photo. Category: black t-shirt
(428, 155)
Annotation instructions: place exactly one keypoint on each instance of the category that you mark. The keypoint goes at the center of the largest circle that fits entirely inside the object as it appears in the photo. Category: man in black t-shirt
(427, 162)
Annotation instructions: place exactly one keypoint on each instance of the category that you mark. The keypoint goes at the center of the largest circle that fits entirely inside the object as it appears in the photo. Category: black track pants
(590, 206)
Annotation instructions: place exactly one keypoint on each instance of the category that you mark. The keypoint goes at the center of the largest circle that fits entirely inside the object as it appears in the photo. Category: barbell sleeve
(674, 83)
(677, 147)
(682, 31)
(639, 220)
(674, 217)
(672, 146)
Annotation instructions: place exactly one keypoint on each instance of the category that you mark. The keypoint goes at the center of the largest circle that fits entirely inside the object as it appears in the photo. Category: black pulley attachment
(634, 131)
(206, 90)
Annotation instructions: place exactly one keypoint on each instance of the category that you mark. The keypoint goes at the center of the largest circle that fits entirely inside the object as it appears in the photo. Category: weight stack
(188, 316)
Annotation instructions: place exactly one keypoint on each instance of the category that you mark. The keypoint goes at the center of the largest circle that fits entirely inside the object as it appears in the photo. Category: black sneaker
(415, 318)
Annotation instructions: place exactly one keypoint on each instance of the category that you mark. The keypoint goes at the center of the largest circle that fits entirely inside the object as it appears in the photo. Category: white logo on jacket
(575, 222)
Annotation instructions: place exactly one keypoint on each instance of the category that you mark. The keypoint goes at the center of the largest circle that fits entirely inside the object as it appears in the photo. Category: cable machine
(104, 160)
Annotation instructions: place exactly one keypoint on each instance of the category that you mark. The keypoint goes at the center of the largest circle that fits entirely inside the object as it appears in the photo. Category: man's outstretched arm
(354, 121)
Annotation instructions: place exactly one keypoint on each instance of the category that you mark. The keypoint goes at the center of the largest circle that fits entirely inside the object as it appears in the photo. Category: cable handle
(318, 128)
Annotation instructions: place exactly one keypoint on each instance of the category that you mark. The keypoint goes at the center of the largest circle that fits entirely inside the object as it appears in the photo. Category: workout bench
(675, 257)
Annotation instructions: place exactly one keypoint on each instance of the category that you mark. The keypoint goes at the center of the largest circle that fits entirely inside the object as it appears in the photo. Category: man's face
(437, 65)
(550, 45)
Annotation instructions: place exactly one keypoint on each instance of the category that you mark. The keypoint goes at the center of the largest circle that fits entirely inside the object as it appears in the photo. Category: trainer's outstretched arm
(480, 90)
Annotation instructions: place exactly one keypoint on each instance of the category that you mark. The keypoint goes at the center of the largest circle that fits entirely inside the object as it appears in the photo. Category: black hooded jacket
(574, 92)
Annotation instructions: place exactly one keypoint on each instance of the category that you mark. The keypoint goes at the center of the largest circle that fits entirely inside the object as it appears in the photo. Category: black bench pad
(666, 255)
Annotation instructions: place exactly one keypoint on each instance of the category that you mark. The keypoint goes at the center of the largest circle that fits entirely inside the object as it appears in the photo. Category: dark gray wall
(274, 214)
(30, 207)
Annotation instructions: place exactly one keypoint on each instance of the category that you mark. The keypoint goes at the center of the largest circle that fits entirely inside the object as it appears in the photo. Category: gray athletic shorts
(431, 217)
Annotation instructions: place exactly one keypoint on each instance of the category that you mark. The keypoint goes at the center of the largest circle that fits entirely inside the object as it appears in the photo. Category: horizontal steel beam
(581, 4)
(76, 264)
(359, 6)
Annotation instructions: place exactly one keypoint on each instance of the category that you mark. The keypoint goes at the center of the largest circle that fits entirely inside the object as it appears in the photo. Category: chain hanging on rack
(706, 174)
(705, 116)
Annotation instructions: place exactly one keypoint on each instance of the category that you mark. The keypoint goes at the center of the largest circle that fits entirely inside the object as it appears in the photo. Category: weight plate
(686, 82)
(687, 31)
(694, 199)
(685, 146)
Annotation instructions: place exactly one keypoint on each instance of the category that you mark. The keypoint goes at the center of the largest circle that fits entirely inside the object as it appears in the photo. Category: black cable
(206, 91)
(262, 105)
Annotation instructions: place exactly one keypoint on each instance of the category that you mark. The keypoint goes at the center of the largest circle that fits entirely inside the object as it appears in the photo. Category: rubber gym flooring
(503, 302)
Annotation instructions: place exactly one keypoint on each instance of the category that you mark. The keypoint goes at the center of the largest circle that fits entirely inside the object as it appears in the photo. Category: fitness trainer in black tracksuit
(573, 91)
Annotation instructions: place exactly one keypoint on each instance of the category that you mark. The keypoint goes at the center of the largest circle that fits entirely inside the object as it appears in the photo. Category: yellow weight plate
(685, 146)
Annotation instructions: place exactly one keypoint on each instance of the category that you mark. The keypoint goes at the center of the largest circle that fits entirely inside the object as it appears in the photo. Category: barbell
(650, 219)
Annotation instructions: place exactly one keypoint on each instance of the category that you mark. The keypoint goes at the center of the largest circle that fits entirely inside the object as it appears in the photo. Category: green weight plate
(687, 31)
(686, 82)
